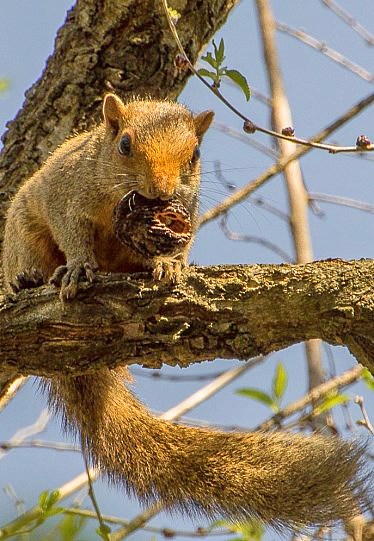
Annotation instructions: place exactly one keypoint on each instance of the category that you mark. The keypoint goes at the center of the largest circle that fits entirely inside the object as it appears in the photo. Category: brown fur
(62, 216)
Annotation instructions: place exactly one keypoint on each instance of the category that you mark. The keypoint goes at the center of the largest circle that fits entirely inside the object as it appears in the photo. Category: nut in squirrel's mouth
(152, 226)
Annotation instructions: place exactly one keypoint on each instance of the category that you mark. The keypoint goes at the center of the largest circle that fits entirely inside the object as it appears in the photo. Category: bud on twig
(249, 127)
(289, 131)
(363, 141)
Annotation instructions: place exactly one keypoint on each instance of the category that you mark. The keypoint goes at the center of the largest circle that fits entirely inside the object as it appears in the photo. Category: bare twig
(333, 149)
(39, 444)
(254, 200)
(104, 530)
(314, 395)
(21, 435)
(260, 202)
(366, 421)
(343, 201)
(279, 166)
(351, 21)
(209, 390)
(156, 374)
(164, 532)
(232, 235)
(240, 136)
(326, 50)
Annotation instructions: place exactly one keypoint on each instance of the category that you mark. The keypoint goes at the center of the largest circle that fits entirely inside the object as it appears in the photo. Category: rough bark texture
(228, 312)
(120, 45)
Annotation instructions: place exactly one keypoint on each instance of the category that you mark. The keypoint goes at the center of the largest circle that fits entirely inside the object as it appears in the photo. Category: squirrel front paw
(167, 269)
(67, 277)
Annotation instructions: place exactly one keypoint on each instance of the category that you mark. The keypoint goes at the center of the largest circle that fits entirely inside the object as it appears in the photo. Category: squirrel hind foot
(27, 279)
(67, 278)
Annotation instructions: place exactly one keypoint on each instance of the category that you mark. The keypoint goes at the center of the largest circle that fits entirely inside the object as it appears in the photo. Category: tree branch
(223, 311)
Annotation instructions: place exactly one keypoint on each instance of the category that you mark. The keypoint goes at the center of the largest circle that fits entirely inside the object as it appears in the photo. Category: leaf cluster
(215, 61)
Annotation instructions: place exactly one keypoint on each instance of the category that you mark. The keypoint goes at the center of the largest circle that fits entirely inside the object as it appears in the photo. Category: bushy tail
(283, 479)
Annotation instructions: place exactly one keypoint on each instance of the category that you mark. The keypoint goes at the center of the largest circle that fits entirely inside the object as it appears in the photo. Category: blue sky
(319, 91)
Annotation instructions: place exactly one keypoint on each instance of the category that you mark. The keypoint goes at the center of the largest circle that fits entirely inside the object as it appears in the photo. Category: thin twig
(209, 390)
(279, 166)
(39, 444)
(180, 378)
(91, 493)
(36, 513)
(351, 21)
(234, 236)
(326, 50)
(22, 434)
(333, 149)
(366, 421)
(164, 532)
(258, 201)
(343, 201)
(314, 395)
(240, 136)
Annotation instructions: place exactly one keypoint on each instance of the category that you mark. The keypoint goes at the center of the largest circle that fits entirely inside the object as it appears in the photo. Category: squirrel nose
(157, 190)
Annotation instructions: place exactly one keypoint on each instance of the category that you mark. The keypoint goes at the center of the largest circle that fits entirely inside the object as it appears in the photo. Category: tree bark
(224, 311)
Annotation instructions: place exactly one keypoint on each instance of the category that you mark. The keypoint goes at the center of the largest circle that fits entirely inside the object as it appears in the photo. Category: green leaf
(219, 51)
(240, 81)
(279, 383)
(330, 402)
(260, 396)
(206, 73)
(368, 379)
(210, 60)
(68, 528)
(47, 501)
(252, 530)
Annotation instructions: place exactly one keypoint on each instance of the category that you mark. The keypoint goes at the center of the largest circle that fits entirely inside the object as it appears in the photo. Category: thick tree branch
(214, 312)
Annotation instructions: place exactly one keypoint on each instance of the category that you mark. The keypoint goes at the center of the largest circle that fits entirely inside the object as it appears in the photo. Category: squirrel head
(154, 146)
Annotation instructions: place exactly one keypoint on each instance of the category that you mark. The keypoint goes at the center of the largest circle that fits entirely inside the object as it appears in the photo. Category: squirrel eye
(124, 145)
(195, 155)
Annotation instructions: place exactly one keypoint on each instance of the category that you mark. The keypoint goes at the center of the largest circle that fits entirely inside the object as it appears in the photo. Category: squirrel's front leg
(77, 243)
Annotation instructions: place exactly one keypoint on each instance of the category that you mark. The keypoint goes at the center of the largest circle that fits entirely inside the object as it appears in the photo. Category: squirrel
(59, 229)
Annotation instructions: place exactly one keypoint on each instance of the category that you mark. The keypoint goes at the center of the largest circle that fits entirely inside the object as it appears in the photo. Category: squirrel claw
(68, 276)
(27, 280)
(167, 270)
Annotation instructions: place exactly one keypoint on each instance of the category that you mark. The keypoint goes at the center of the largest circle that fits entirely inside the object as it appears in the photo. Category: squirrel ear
(113, 112)
(202, 122)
